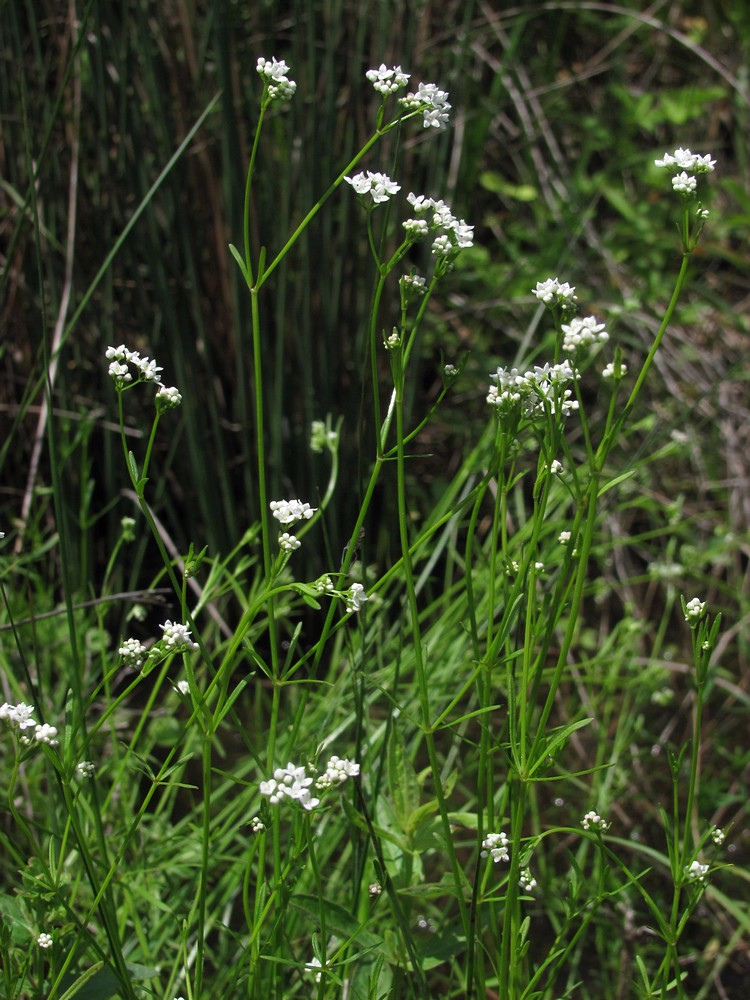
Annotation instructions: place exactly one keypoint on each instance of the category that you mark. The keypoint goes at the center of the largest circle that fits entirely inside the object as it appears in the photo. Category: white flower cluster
(416, 228)
(21, 717)
(288, 543)
(495, 845)
(593, 821)
(289, 782)
(665, 570)
(289, 511)
(608, 371)
(683, 159)
(527, 881)
(582, 333)
(432, 101)
(355, 597)
(695, 872)
(694, 610)
(120, 357)
(177, 636)
(168, 398)
(292, 782)
(85, 769)
(452, 233)
(387, 81)
(323, 437)
(132, 651)
(413, 284)
(337, 771)
(553, 293)
(537, 389)
(378, 186)
(718, 836)
(44, 941)
(684, 183)
(273, 74)
(257, 825)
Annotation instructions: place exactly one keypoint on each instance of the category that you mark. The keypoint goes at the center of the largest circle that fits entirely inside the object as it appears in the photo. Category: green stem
(200, 944)
(422, 682)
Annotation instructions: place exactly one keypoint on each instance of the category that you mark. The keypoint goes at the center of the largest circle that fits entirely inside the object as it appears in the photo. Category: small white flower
(119, 372)
(46, 734)
(413, 283)
(665, 570)
(718, 836)
(593, 821)
(257, 825)
(393, 341)
(289, 782)
(321, 437)
(289, 511)
(527, 881)
(450, 371)
(273, 73)
(375, 888)
(314, 966)
(337, 771)
(442, 246)
(416, 228)
(379, 186)
(463, 233)
(120, 353)
(132, 651)
(608, 372)
(564, 537)
(683, 159)
(44, 941)
(324, 585)
(434, 104)
(556, 468)
(495, 845)
(182, 687)
(19, 716)
(120, 357)
(387, 81)
(355, 597)
(288, 542)
(685, 183)
(85, 769)
(419, 202)
(695, 872)
(177, 636)
(694, 610)
(168, 397)
(582, 333)
(149, 370)
(551, 292)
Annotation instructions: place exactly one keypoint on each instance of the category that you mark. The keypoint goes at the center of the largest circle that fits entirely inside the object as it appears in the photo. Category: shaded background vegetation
(559, 112)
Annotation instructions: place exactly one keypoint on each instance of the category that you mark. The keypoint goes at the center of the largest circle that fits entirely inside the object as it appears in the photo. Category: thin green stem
(422, 683)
